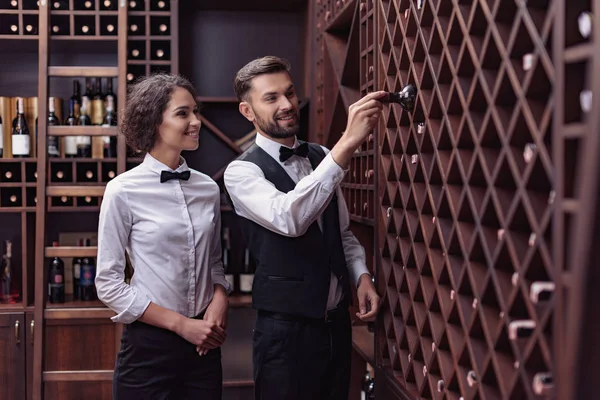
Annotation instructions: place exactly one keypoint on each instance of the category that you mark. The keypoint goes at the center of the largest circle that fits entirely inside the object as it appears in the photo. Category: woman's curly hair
(147, 100)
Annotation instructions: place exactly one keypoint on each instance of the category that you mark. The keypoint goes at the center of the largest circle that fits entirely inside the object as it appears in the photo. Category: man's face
(274, 104)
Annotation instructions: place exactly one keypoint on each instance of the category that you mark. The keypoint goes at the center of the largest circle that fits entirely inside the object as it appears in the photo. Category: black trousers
(157, 364)
(299, 359)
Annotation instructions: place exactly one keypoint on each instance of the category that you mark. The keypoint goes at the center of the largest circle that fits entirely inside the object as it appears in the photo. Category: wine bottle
(88, 276)
(109, 93)
(56, 279)
(247, 277)
(77, 274)
(20, 132)
(9, 293)
(97, 104)
(53, 146)
(226, 244)
(89, 95)
(110, 119)
(84, 143)
(71, 141)
(1, 139)
(75, 99)
(406, 97)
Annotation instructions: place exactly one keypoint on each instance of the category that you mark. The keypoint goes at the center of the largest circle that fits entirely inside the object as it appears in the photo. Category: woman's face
(180, 126)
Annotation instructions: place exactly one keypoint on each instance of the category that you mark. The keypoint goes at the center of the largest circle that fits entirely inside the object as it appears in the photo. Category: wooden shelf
(237, 300)
(17, 160)
(11, 307)
(85, 12)
(78, 376)
(217, 99)
(238, 383)
(93, 72)
(77, 38)
(83, 131)
(363, 342)
(71, 251)
(75, 191)
(16, 209)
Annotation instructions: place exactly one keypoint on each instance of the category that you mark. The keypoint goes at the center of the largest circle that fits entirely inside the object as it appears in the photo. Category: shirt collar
(270, 146)
(156, 166)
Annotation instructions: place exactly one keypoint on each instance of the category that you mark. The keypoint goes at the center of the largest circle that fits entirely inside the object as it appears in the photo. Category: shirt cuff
(356, 270)
(134, 311)
(219, 279)
(329, 172)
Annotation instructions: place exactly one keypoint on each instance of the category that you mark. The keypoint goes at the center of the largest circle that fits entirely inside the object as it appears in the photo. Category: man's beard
(274, 130)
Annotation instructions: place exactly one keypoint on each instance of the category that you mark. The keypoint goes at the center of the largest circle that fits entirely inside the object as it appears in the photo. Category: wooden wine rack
(467, 196)
(489, 186)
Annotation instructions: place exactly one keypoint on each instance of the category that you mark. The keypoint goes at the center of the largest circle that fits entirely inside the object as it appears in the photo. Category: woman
(167, 217)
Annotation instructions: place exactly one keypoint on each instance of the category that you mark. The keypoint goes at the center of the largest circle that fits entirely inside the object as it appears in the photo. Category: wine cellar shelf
(482, 196)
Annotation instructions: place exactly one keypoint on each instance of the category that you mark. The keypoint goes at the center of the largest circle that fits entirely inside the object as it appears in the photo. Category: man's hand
(216, 313)
(362, 119)
(368, 299)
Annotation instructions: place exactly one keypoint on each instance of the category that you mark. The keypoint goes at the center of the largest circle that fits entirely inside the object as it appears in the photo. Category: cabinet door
(12, 356)
(28, 347)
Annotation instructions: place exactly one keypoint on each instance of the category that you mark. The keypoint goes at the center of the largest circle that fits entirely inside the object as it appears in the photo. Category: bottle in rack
(9, 290)
(97, 114)
(1, 139)
(88, 276)
(84, 143)
(56, 279)
(247, 277)
(71, 141)
(226, 244)
(53, 143)
(20, 132)
(77, 275)
(75, 99)
(110, 119)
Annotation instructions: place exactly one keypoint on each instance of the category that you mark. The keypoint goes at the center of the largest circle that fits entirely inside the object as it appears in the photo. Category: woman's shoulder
(202, 178)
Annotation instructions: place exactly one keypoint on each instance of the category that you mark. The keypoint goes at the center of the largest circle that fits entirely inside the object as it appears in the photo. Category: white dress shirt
(171, 232)
(291, 214)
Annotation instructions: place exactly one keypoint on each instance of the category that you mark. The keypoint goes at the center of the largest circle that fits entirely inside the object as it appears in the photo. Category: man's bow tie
(285, 152)
(168, 175)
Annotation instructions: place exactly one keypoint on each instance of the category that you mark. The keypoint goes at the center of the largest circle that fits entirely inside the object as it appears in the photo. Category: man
(295, 221)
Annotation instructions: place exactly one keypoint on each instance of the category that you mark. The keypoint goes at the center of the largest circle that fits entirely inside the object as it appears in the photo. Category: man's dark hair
(265, 65)
(147, 100)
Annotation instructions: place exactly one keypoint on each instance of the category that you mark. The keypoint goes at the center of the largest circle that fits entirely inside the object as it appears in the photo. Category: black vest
(293, 274)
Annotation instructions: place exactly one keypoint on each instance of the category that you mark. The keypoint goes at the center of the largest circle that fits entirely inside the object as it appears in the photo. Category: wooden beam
(220, 134)
(75, 191)
(82, 131)
(78, 376)
(84, 71)
(71, 251)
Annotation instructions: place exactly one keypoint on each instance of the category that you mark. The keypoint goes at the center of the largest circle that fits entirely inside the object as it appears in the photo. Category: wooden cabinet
(13, 346)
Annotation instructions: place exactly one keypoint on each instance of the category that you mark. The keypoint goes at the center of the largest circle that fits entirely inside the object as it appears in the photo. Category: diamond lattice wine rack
(466, 196)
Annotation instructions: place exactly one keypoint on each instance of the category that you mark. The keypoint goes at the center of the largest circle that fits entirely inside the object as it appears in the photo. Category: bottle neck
(20, 106)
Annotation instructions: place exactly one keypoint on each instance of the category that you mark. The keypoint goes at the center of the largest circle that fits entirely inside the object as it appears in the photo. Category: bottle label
(71, 145)
(246, 281)
(76, 110)
(53, 146)
(76, 271)
(88, 274)
(20, 145)
(84, 140)
(98, 112)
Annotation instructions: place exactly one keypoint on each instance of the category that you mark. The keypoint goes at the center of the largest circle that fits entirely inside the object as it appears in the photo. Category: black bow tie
(285, 152)
(168, 175)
